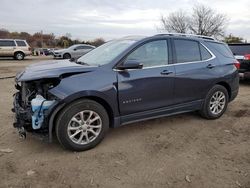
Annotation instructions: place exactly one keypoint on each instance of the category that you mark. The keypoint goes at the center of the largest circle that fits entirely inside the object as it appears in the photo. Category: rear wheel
(19, 56)
(82, 125)
(215, 103)
(66, 56)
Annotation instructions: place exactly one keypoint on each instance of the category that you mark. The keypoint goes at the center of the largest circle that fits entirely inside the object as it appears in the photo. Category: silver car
(74, 51)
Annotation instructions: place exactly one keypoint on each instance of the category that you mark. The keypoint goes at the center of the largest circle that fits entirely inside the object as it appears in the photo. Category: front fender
(83, 94)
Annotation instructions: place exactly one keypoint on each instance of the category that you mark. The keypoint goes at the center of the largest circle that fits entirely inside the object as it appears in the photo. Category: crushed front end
(32, 106)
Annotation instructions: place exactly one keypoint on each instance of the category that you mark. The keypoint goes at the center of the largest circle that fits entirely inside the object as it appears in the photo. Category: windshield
(105, 53)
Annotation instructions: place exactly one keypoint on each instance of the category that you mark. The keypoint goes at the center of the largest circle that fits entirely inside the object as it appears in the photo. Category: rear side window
(223, 49)
(7, 43)
(20, 43)
(205, 55)
(187, 51)
(240, 49)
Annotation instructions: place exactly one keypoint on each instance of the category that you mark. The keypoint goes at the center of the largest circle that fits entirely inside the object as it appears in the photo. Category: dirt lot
(179, 151)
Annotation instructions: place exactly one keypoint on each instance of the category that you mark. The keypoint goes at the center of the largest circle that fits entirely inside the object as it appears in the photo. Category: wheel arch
(58, 108)
(66, 54)
(227, 86)
(19, 51)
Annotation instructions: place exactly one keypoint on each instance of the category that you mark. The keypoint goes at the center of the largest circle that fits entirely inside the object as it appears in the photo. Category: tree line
(41, 40)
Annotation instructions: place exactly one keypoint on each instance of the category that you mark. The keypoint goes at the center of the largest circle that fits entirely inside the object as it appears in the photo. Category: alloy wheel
(84, 127)
(217, 102)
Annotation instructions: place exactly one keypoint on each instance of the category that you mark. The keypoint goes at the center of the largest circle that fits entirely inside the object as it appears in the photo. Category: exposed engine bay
(32, 101)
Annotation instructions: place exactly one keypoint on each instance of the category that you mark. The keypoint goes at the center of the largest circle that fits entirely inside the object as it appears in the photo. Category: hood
(51, 69)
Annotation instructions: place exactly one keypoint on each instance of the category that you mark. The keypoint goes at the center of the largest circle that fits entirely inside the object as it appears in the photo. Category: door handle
(210, 66)
(166, 72)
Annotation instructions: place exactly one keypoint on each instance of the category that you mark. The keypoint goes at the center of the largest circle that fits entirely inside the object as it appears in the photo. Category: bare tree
(175, 22)
(203, 21)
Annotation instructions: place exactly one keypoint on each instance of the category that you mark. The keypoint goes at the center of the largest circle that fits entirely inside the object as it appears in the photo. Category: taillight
(237, 64)
(247, 57)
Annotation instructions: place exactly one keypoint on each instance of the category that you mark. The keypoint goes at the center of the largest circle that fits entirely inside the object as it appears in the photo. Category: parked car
(15, 48)
(242, 54)
(74, 51)
(124, 81)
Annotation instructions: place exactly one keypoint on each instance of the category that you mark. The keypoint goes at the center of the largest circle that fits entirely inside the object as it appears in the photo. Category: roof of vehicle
(82, 45)
(172, 35)
(14, 39)
(186, 35)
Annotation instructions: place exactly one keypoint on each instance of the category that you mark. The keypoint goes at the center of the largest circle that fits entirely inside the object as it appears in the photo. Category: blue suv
(124, 81)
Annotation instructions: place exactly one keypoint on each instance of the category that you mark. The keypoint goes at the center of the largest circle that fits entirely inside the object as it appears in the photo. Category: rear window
(223, 49)
(20, 43)
(187, 51)
(240, 49)
(7, 43)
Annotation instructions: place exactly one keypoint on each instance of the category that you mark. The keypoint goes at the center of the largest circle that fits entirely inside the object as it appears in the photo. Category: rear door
(150, 87)
(193, 65)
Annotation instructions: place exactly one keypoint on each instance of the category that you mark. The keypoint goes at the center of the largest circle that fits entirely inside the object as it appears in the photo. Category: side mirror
(75, 49)
(130, 64)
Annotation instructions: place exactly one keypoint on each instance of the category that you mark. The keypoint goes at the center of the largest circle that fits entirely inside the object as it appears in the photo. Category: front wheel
(66, 56)
(215, 103)
(82, 125)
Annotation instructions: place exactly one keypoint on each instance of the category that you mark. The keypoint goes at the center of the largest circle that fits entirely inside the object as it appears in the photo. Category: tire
(210, 105)
(69, 121)
(19, 56)
(66, 56)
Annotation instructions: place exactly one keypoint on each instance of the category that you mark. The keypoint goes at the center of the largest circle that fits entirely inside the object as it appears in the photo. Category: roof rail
(186, 35)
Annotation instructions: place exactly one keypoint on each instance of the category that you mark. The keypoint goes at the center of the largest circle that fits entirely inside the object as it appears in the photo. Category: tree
(97, 42)
(203, 21)
(175, 22)
(4, 33)
(233, 39)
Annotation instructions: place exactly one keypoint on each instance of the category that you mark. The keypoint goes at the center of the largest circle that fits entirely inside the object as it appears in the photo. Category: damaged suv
(124, 81)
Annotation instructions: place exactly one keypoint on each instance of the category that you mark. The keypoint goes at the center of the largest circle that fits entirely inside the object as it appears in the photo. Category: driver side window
(151, 54)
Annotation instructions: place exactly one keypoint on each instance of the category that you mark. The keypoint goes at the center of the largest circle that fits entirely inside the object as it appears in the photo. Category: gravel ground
(179, 151)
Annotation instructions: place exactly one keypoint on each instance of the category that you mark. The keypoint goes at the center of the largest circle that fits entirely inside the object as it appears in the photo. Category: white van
(14, 48)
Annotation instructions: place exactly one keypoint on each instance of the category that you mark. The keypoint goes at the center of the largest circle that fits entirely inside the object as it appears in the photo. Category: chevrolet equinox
(124, 81)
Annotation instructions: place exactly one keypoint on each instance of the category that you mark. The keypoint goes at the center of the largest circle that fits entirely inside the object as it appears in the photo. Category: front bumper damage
(23, 118)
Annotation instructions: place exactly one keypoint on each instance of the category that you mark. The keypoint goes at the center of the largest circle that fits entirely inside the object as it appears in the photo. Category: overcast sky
(88, 19)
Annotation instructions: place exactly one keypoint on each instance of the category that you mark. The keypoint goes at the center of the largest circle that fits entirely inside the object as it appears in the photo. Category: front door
(152, 86)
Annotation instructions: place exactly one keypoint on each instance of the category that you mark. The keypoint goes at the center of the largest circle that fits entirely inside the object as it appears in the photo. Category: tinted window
(204, 53)
(7, 43)
(223, 49)
(84, 47)
(187, 51)
(151, 54)
(20, 43)
(240, 49)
